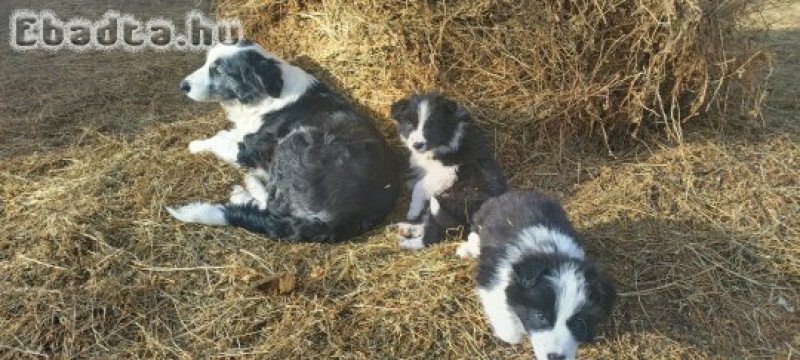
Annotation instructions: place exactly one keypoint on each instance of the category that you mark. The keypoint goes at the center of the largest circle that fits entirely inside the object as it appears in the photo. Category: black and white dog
(455, 171)
(317, 170)
(533, 276)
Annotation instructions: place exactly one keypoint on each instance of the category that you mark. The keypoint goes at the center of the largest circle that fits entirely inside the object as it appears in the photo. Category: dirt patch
(55, 100)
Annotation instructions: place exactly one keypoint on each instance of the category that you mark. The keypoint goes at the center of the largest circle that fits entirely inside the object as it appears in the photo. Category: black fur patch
(330, 173)
(530, 296)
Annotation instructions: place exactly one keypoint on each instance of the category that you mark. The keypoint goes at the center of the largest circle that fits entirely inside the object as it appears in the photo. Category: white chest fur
(433, 178)
(245, 119)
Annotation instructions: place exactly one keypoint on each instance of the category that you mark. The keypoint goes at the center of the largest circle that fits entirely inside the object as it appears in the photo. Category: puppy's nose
(185, 86)
(419, 146)
(553, 356)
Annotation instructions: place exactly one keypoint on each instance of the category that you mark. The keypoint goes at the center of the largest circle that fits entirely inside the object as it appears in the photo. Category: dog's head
(430, 123)
(559, 302)
(242, 72)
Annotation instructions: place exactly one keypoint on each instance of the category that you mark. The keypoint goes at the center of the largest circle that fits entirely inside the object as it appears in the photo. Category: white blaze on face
(418, 135)
(569, 285)
(200, 80)
(542, 239)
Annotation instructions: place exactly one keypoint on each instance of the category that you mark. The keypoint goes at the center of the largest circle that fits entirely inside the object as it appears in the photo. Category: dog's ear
(459, 111)
(602, 291)
(462, 113)
(269, 71)
(254, 76)
(529, 272)
(400, 110)
(244, 42)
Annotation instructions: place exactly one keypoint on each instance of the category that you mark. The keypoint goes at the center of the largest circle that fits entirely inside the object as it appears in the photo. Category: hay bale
(598, 67)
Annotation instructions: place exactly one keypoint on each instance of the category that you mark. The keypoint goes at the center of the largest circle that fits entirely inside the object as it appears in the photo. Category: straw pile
(576, 67)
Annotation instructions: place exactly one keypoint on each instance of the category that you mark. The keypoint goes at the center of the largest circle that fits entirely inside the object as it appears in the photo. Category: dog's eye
(538, 319)
(404, 126)
(213, 68)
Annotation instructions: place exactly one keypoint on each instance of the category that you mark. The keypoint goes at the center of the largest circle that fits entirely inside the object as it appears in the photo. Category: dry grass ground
(703, 237)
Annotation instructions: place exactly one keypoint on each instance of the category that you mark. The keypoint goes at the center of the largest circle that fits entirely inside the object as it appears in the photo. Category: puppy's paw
(408, 230)
(510, 337)
(464, 251)
(239, 195)
(197, 146)
(414, 243)
(470, 248)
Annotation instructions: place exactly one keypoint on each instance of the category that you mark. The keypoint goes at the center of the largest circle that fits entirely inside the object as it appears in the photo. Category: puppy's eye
(213, 68)
(538, 318)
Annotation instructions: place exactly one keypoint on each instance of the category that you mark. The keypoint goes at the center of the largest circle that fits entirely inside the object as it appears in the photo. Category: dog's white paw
(254, 186)
(463, 251)
(239, 195)
(414, 243)
(201, 213)
(408, 230)
(197, 146)
(470, 248)
(509, 336)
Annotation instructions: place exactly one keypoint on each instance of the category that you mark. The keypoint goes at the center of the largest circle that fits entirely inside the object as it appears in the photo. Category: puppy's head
(559, 302)
(242, 72)
(430, 123)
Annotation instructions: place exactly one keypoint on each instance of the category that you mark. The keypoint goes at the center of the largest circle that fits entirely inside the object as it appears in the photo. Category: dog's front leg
(224, 145)
(419, 198)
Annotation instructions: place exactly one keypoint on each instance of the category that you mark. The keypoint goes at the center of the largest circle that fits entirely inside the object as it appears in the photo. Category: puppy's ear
(254, 76)
(462, 113)
(459, 111)
(529, 272)
(400, 109)
(244, 42)
(269, 72)
(602, 291)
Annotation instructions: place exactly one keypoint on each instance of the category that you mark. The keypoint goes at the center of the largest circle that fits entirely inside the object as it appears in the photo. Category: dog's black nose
(185, 87)
(419, 146)
(552, 356)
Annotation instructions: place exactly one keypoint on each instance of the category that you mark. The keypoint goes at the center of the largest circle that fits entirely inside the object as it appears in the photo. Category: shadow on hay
(694, 284)
(326, 76)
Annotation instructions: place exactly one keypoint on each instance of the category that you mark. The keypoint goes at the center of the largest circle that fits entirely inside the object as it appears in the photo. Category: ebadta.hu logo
(44, 30)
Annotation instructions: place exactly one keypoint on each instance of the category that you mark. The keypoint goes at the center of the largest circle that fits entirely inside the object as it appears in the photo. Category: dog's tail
(252, 218)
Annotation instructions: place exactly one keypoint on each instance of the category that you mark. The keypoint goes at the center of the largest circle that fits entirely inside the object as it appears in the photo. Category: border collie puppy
(454, 169)
(533, 277)
(317, 169)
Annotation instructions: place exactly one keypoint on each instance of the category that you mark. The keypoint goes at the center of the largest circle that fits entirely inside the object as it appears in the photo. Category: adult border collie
(454, 169)
(534, 279)
(317, 169)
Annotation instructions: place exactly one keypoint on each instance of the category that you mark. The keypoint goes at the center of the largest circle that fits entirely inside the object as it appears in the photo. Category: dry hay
(539, 66)
(702, 238)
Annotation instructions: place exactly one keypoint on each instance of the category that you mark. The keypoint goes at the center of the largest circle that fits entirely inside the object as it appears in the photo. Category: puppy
(317, 169)
(454, 169)
(533, 277)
